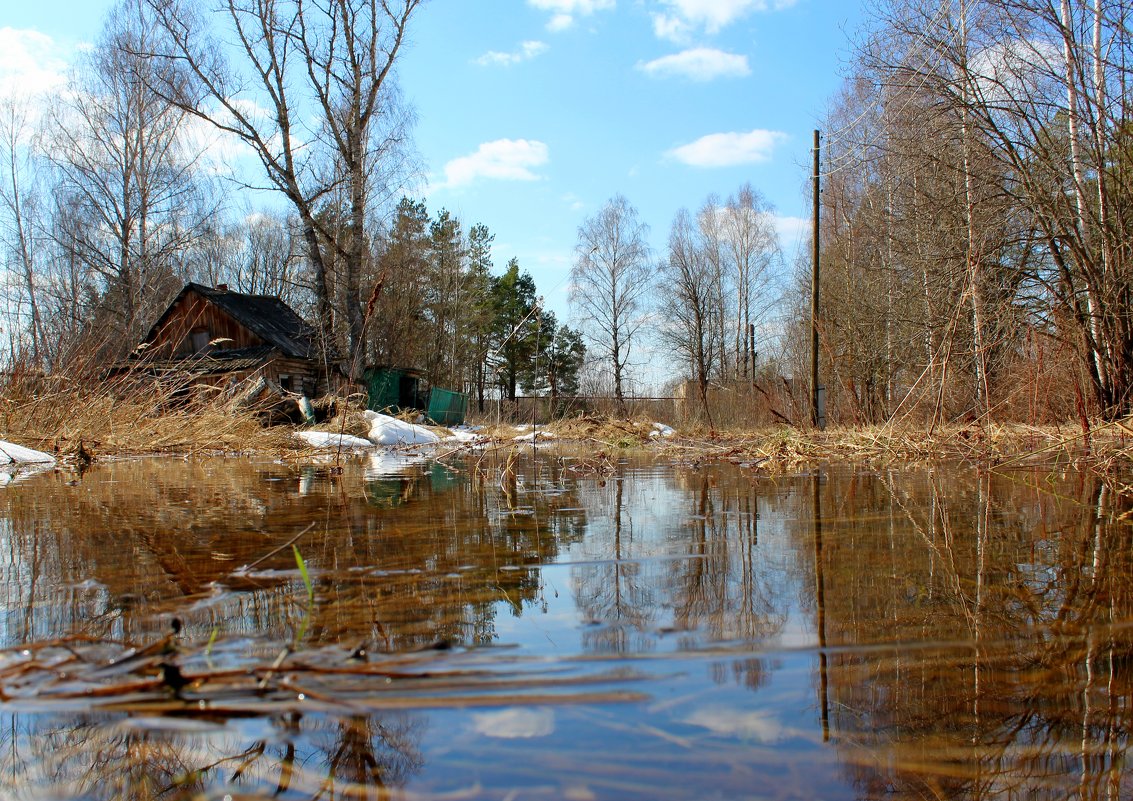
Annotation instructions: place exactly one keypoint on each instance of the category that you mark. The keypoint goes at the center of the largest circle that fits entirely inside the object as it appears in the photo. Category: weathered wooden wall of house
(296, 375)
(293, 375)
(194, 315)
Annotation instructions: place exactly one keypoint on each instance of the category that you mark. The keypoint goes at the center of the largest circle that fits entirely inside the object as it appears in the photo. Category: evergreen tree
(556, 361)
(395, 335)
(444, 302)
(480, 307)
(515, 327)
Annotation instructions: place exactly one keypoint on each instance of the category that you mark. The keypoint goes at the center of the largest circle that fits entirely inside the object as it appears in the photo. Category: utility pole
(817, 396)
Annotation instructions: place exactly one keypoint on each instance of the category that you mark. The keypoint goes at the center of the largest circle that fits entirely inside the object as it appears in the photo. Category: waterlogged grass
(137, 414)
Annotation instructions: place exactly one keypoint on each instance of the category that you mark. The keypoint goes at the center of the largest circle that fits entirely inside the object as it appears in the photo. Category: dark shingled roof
(268, 317)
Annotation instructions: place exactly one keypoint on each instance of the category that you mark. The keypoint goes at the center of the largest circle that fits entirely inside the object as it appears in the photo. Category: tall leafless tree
(690, 309)
(292, 59)
(752, 246)
(610, 281)
(18, 225)
(1027, 83)
(122, 161)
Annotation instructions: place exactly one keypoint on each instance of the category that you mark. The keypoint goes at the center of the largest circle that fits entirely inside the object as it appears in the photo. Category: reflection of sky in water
(653, 633)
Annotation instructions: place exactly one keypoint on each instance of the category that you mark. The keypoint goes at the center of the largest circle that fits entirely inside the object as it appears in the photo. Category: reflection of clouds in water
(515, 723)
(738, 723)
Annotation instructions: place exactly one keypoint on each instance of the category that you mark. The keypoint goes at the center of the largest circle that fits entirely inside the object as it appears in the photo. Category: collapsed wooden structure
(222, 338)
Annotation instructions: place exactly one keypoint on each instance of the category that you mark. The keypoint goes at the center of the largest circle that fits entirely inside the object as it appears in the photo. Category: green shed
(393, 388)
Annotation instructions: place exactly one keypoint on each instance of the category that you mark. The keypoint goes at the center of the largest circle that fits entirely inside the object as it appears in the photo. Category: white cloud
(515, 723)
(729, 149)
(31, 63)
(564, 12)
(711, 16)
(503, 160)
(1016, 68)
(732, 722)
(560, 22)
(791, 229)
(526, 52)
(217, 152)
(583, 8)
(697, 64)
(671, 28)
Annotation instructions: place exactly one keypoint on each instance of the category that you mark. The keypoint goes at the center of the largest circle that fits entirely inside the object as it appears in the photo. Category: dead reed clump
(787, 449)
(348, 418)
(129, 414)
(613, 431)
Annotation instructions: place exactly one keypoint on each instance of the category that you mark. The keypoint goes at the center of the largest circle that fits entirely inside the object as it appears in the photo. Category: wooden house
(222, 337)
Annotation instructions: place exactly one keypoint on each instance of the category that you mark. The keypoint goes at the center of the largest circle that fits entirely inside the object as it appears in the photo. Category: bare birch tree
(122, 163)
(290, 59)
(752, 246)
(21, 237)
(689, 304)
(610, 281)
(1029, 81)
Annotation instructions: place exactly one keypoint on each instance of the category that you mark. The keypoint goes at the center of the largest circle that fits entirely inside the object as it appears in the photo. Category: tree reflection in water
(674, 555)
(955, 633)
(997, 615)
(357, 757)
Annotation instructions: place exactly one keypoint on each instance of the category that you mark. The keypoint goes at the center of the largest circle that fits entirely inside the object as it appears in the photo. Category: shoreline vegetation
(78, 421)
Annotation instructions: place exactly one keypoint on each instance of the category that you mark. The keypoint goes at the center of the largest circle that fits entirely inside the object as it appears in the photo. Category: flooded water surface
(563, 627)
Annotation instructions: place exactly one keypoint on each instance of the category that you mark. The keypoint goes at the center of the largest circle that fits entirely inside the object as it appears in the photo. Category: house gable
(194, 324)
(206, 320)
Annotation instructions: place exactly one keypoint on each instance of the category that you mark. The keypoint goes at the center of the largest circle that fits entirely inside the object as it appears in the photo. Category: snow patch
(386, 430)
(10, 453)
(326, 439)
(463, 436)
(535, 436)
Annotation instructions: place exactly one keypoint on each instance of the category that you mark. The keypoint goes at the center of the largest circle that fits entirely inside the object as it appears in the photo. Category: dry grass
(137, 414)
(129, 415)
(783, 449)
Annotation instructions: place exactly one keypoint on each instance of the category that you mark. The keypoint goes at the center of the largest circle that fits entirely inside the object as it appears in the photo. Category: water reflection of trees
(288, 756)
(116, 553)
(997, 610)
(132, 540)
(677, 554)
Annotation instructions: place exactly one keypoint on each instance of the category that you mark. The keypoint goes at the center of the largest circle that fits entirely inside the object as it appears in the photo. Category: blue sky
(532, 113)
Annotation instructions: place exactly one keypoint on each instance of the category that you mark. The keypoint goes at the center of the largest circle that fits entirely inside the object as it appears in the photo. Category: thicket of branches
(704, 307)
(976, 218)
(976, 214)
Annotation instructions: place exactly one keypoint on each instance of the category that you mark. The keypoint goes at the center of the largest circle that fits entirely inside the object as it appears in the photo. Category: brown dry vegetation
(135, 415)
(127, 415)
(785, 449)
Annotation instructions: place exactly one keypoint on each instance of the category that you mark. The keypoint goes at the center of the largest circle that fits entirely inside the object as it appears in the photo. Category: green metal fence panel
(447, 408)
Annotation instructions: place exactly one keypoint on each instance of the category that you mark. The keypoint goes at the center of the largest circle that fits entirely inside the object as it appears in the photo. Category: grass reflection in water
(535, 629)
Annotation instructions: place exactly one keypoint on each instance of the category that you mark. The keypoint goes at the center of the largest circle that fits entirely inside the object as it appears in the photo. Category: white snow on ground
(10, 474)
(386, 430)
(534, 436)
(661, 430)
(465, 435)
(325, 439)
(11, 453)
